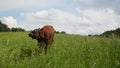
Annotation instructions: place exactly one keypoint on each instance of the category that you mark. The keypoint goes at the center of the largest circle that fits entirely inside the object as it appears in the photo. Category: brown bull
(45, 34)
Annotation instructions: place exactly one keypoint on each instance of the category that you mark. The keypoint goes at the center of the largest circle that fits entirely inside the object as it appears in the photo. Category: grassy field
(17, 50)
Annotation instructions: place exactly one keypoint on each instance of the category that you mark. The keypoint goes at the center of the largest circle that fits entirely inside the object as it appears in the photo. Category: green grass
(17, 50)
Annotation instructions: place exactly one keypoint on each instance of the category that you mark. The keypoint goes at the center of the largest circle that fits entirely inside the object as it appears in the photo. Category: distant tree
(117, 31)
(63, 32)
(57, 32)
(17, 29)
(111, 33)
(4, 27)
(90, 35)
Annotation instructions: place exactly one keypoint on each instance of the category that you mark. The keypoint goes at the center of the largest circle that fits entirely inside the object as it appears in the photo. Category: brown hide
(45, 34)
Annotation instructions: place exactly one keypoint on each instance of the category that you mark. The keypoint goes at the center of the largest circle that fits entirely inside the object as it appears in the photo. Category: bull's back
(48, 30)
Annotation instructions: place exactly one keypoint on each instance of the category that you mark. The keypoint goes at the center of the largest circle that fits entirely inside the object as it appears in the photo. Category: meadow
(17, 50)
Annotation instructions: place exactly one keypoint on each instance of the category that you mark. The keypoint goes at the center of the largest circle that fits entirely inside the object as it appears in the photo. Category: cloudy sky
(73, 16)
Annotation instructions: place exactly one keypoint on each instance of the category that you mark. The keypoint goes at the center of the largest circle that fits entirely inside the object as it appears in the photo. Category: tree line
(5, 28)
(62, 32)
(110, 33)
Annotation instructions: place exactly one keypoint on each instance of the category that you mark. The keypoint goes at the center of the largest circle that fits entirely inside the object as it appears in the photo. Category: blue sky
(73, 16)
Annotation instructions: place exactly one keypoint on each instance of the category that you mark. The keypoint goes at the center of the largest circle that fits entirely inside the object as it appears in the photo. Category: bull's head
(34, 34)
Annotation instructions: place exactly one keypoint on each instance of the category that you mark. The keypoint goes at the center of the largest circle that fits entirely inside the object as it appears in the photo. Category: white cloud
(6, 5)
(86, 1)
(100, 20)
(10, 21)
(100, 4)
(86, 22)
(62, 21)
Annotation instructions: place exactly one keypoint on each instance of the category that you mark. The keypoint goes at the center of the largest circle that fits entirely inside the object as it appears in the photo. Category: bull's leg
(46, 47)
(39, 50)
(47, 42)
(51, 41)
(39, 44)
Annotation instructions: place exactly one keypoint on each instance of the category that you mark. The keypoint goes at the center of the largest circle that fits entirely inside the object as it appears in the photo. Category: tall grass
(17, 50)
